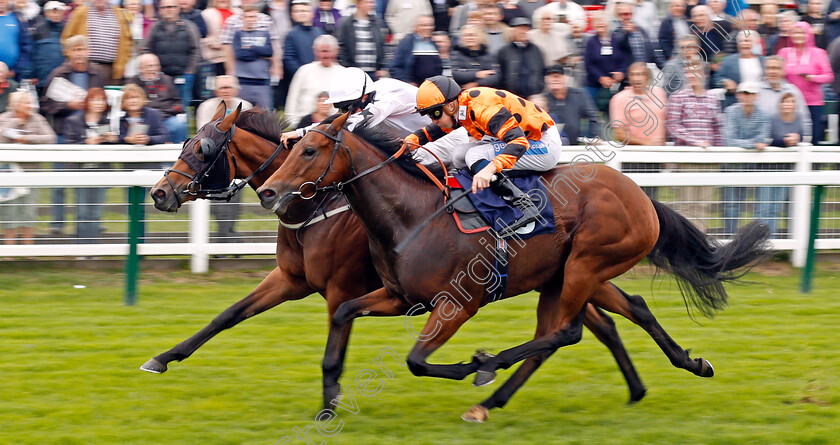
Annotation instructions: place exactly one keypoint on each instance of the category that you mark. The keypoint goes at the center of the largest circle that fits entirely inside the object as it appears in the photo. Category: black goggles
(434, 112)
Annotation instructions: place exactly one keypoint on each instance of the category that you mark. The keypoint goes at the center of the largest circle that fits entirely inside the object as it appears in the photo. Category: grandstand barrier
(669, 167)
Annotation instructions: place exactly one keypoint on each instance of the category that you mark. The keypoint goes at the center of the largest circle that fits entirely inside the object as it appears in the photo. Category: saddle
(466, 215)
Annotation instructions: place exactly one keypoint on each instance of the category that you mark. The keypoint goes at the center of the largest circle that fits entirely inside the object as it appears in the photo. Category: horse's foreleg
(443, 323)
(379, 303)
(633, 308)
(276, 288)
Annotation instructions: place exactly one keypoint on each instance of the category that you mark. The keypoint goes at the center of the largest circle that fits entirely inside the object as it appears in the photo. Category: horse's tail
(700, 263)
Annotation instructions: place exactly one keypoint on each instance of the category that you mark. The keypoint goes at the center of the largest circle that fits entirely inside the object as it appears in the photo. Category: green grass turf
(69, 372)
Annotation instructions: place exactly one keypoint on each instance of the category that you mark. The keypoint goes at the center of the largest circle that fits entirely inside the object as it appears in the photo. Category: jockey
(386, 99)
(523, 136)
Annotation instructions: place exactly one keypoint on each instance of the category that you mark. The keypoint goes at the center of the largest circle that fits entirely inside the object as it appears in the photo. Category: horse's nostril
(267, 194)
(159, 193)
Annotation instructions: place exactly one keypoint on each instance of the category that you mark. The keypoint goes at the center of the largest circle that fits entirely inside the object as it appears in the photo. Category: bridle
(209, 149)
(339, 186)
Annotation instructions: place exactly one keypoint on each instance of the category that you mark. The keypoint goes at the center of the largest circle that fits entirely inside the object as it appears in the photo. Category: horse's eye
(309, 151)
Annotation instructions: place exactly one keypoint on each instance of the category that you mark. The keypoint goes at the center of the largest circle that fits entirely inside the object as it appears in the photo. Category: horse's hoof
(484, 378)
(154, 367)
(706, 368)
(476, 414)
(634, 398)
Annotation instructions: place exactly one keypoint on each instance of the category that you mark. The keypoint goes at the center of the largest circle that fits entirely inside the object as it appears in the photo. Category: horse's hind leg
(633, 307)
(604, 329)
(276, 288)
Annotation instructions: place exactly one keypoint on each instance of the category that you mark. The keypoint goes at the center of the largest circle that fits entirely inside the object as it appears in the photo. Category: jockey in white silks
(388, 100)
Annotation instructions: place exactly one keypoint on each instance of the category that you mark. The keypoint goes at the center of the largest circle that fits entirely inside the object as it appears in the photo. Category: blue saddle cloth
(500, 214)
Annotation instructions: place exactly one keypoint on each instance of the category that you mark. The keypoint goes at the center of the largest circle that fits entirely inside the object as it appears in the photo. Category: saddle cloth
(473, 214)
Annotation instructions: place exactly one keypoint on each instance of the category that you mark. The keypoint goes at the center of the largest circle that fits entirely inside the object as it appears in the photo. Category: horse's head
(318, 160)
(203, 165)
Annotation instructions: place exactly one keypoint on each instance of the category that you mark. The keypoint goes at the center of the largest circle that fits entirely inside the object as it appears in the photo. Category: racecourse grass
(69, 373)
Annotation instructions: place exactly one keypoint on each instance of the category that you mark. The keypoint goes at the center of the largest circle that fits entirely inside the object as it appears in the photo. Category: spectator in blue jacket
(744, 66)
(416, 57)
(47, 54)
(603, 60)
(252, 48)
(16, 47)
(297, 48)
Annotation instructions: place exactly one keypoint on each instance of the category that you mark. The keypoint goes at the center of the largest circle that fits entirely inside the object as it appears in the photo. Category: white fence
(802, 177)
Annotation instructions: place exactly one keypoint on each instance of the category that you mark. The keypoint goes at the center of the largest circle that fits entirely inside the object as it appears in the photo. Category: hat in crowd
(53, 5)
(555, 69)
(520, 21)
(300, 2)
(748, 87)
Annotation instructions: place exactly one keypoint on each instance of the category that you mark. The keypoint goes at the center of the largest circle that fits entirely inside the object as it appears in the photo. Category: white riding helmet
(350, 85)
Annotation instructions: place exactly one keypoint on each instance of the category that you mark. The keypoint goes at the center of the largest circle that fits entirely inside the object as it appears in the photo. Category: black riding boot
(505, 188)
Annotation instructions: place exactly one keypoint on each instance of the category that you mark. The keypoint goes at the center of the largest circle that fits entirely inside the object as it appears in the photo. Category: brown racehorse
(330, 258)
(602, 231)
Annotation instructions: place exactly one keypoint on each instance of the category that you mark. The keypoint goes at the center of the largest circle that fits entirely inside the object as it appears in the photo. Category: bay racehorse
(330, 257)
(603, 230)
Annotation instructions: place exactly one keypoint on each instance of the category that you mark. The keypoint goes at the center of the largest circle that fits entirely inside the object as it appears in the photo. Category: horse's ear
(338, 123)
(220, 110)
(230, 119)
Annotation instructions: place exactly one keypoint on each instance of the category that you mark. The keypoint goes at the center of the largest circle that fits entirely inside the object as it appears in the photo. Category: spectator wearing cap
(16, 49)
(416, 57)
(569, 106)
(746, 127)
(603, 60)
(253, 51)
(311, 78)
(162, 94)
(775, 86)
(744, 66)
(326, 17)
(565, 11)
(361, 41)
(808, 68)
(47, 54)
(550, 38)
(472, 65)
(176, 43)
(108, 30)
(521, 62)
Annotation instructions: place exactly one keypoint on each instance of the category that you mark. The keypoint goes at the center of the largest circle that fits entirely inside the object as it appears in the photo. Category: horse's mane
(388, 139)
(262, 123)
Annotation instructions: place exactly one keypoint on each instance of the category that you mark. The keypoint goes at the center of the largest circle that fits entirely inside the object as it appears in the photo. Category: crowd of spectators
(711, 72)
